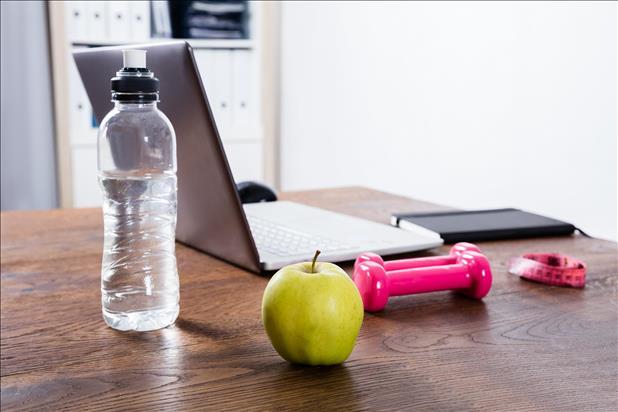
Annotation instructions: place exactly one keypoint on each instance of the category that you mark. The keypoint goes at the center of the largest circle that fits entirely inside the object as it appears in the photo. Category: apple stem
(315, 258)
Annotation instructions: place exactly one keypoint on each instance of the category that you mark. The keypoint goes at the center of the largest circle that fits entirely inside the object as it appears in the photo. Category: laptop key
(282, 241)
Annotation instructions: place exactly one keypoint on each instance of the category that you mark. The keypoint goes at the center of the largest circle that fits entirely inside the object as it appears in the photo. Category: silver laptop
(258, 236)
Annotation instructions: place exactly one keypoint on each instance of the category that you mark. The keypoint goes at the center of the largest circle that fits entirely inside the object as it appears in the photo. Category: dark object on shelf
(197, 33)
(208, 19)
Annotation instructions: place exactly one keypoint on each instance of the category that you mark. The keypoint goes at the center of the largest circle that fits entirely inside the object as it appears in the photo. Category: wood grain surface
(525, 347)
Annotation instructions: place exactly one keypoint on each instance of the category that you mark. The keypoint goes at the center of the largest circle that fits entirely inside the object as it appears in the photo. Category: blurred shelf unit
(230, 70)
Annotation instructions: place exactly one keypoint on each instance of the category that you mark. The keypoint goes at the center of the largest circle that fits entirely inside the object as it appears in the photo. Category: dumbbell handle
(428, 279)
(411, 263)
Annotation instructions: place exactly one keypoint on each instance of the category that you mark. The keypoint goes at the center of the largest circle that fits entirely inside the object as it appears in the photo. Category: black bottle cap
(135, 83)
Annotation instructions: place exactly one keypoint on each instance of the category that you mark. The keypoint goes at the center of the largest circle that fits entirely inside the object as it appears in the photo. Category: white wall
(27, 156)
(474, 105)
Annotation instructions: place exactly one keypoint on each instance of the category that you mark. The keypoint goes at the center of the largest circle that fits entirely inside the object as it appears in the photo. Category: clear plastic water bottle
(137, 175)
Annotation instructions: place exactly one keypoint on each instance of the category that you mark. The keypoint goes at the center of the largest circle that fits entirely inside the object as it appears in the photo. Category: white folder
(80, 111)
(160, 19)
(215, 68)
(86, 191)
(242, 93)
(76, 20)
(140, 20)
(119, 22)
(96, 20)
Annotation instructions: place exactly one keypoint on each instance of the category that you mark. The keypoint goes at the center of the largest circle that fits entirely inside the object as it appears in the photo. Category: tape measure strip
(550, 268)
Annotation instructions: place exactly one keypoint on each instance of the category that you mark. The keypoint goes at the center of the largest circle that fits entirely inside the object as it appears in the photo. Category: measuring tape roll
(550, 268)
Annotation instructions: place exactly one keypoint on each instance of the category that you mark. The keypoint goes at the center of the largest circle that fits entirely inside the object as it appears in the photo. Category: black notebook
(480, 225)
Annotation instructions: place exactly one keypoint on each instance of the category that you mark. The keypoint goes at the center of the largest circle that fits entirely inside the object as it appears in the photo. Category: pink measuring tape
(550, 268)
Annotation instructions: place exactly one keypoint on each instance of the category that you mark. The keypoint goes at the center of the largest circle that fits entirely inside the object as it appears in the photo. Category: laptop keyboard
(283, 241)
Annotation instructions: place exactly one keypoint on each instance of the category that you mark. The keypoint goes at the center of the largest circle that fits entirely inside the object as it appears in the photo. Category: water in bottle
(137, 176)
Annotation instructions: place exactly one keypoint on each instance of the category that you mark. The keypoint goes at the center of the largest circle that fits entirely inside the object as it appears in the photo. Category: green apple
(312, 313)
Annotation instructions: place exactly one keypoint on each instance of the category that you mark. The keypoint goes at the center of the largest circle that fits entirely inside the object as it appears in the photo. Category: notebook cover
(483, 225)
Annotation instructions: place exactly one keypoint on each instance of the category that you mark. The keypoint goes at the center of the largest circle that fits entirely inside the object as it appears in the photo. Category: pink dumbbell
(456, 250)
(470, 275)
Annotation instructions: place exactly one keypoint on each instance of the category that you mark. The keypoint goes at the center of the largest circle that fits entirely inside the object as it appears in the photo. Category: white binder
(119, 22)
(96, 20)
(215, 68)
(222, 77)
(242, 93)
(140, 20)
(80, 112)
(160, 19)
(76, 20)
(86, 192)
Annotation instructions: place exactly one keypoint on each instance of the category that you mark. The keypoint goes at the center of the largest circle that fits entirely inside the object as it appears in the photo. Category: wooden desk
(525, 347)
